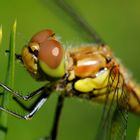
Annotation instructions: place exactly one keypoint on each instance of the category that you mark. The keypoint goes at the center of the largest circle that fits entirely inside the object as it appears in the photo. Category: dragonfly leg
(38, 105)
(60, 102)
(28, 108)
(26, 97)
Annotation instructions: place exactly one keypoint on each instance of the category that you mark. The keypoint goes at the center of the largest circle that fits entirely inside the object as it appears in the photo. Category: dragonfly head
(44, 56)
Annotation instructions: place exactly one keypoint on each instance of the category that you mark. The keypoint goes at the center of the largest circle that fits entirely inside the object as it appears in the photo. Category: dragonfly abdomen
(134, 99)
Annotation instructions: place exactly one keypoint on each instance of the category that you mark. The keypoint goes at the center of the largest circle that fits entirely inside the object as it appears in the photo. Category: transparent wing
(113, 123)
(82, 26)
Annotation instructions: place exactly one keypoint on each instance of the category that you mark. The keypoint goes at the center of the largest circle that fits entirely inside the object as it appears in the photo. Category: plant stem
(9, 81)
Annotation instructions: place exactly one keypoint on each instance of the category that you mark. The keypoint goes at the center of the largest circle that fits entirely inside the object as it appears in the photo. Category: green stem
(138, 134)
(9, 81)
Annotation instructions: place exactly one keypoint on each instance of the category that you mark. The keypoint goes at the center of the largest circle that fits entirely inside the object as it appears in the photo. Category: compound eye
(42, 36)
(51, 53)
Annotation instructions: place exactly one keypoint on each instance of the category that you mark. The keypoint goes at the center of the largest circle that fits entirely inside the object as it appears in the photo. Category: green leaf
(9, 81)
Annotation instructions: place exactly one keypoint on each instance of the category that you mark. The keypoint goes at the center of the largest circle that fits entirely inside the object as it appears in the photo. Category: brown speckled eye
(42, 36)
(51, 53)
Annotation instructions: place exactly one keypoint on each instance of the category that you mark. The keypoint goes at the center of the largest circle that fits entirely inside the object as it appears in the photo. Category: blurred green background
(118, 22)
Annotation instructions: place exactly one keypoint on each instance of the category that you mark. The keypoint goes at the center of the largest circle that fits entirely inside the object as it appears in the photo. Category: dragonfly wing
(84, 29)
(118, 126)
(114, 118)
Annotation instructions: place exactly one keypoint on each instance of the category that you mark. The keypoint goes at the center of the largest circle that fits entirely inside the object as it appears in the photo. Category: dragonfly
(89, 71)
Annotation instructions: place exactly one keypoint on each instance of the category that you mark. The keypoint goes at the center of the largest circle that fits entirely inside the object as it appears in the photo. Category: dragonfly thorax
(88, 61)
(87, 67)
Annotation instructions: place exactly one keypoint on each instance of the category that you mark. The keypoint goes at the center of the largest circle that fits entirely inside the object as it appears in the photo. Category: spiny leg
(24, 106)
(31, 107)
(26, 97)
(57, 117)
(44, 94)
(54, 131)
(38, 105)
